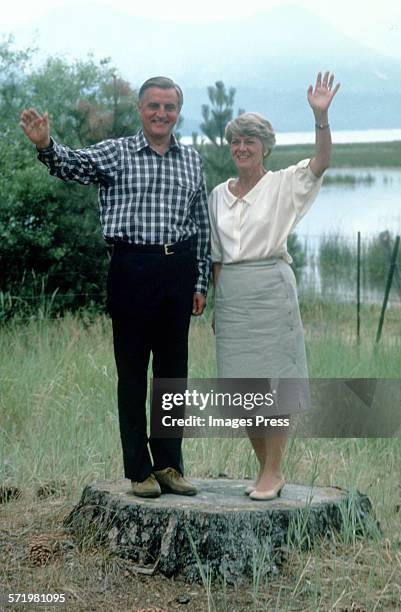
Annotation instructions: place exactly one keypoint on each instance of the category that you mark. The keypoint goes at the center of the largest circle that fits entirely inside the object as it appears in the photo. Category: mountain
(270, 58)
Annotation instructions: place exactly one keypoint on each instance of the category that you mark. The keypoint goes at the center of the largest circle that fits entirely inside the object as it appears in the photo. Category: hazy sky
(376, 24)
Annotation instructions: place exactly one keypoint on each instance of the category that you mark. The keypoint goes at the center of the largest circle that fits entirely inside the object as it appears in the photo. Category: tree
(215, 118)
(13, 66)
(87, 102)
(50, 230)
(113, 115)
(216, 156)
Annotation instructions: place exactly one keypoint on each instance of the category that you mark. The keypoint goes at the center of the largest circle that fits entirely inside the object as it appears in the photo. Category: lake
(370, 205)
(369, 201)
(339, 136)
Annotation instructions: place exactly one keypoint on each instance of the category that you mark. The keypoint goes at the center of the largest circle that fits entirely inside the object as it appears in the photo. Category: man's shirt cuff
(47, 150)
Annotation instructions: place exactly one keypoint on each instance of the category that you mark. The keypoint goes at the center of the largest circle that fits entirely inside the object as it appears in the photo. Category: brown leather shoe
(171, 481)
(147, 488)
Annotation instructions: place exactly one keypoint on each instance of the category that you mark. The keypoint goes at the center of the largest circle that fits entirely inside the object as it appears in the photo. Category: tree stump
(220, 530)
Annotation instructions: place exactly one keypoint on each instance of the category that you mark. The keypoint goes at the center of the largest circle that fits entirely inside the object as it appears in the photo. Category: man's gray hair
(163, 83)
(252, 124)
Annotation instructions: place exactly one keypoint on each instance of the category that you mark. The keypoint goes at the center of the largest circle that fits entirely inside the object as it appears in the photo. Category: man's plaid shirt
(144, 197)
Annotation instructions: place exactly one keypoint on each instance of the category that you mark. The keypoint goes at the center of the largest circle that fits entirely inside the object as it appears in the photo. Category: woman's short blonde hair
(252, 124)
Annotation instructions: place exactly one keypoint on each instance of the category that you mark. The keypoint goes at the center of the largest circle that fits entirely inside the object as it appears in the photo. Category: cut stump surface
(220, 529)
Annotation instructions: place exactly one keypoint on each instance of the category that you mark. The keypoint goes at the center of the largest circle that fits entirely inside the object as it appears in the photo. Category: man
(153, 209)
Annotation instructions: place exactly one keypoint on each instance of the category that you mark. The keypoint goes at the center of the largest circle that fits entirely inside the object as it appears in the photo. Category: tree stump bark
(220, 531)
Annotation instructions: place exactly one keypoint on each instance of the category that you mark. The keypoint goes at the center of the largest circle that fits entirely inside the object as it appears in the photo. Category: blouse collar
(248, 198)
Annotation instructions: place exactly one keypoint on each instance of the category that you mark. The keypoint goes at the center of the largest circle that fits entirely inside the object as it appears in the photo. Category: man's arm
(216, 268)
(201, 218)
(95, 164)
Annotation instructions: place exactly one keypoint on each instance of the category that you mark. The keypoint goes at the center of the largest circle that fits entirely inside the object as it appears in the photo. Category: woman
(257, 322)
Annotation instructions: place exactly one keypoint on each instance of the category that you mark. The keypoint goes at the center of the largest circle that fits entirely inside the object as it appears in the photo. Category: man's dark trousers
(150, 301)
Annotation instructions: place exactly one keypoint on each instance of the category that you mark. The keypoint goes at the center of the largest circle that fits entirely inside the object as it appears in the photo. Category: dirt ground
(38, 555)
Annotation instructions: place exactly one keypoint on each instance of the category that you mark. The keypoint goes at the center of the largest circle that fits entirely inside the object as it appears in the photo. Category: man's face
(159, 112)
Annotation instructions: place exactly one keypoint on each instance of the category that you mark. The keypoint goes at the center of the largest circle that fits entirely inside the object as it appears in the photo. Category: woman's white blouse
(257, 225)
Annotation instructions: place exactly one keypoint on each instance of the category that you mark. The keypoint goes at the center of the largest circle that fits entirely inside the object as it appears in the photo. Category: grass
(59, 431)
(357, 155)
(348, 179)
(337, 264)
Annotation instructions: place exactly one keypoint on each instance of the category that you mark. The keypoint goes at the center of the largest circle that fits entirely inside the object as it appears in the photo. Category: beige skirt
(259, 331)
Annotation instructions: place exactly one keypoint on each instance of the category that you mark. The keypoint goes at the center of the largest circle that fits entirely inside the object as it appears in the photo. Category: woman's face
(247, 152)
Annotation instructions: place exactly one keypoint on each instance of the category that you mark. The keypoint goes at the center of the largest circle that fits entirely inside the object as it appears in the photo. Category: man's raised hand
(36, 127)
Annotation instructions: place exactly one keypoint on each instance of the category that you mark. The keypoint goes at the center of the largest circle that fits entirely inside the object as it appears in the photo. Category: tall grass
(32, 298)
(330, 270)
(338, 261)
(59, 423)
(58, 399)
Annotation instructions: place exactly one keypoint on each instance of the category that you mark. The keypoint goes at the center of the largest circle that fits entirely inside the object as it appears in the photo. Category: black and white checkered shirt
(144, 197)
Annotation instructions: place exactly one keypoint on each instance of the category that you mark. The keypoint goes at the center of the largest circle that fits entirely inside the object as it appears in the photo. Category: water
(344, 208)
(366, 206)
(339, 136)
(370, 205)
(349, 208)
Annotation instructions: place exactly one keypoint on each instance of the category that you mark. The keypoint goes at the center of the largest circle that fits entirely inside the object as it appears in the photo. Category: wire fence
(341, 267)
(330, 268)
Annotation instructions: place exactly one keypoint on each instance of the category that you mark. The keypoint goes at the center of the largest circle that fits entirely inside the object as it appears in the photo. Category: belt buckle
(166, 246)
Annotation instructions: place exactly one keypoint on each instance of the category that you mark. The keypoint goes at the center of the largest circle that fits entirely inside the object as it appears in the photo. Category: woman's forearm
(320, 99)
(322, 158)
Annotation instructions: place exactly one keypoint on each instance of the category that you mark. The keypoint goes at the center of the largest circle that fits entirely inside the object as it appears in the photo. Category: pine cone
(8, 493)
(41, 550)
(53, 488)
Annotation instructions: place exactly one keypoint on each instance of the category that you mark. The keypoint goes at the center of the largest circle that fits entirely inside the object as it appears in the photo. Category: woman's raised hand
(36, 127)
(320, 98)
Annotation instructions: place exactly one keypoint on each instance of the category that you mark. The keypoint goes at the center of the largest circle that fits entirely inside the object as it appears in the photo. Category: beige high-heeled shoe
(250, 488)
(269, 494)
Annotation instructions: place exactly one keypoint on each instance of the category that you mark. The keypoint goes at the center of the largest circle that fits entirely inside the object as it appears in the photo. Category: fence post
(388, 285)
(385, 240)
(358, 288)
